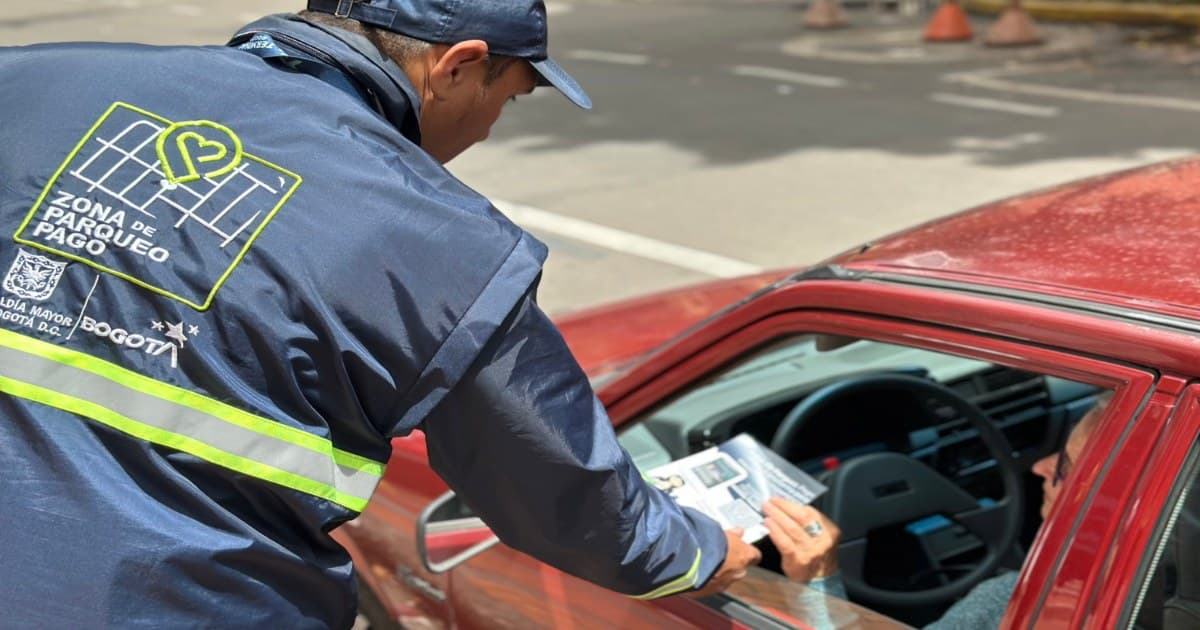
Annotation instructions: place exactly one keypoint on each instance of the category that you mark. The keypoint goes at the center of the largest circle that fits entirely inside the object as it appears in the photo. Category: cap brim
(554, 75)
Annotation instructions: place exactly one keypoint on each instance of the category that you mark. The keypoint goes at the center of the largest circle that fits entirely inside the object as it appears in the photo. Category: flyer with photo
(731, 482)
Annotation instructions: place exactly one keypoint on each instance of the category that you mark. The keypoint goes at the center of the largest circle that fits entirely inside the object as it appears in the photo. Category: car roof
(1128, 239)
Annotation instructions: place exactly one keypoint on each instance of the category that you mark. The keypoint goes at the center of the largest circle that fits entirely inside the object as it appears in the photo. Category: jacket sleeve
(526, 444)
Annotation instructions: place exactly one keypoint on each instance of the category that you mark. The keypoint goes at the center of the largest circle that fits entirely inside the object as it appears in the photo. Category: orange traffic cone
(1014, 28)
(948, 24)
(825, 14)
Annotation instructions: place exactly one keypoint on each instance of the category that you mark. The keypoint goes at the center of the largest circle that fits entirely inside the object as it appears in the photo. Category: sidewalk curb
(1085, 11)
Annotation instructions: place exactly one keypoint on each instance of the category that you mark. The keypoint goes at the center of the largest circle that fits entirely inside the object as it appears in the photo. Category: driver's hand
(738, 558)
(806, 539)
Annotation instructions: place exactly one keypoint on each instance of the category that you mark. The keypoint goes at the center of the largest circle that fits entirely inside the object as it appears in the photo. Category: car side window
(916, 448)
(1169, 597)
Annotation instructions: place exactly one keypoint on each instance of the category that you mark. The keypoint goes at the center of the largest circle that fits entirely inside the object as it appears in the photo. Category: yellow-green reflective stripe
(678, 585)
(184, 420)
(187, 398)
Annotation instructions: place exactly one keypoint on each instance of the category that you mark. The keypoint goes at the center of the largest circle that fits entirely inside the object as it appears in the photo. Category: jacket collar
(389, 90)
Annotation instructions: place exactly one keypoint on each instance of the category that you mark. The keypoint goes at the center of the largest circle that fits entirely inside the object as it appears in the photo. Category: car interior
(1170, 594)
(928, 502)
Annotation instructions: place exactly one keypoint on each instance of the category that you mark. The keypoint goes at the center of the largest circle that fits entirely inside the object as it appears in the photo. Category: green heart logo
(185, 148)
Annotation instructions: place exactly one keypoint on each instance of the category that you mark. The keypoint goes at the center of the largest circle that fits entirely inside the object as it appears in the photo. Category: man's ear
(457, 66)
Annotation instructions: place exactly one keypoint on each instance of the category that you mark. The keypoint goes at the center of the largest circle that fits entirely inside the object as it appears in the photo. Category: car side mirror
(448, 534)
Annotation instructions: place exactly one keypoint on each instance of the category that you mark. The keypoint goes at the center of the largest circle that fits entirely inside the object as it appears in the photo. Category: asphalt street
(727, 139)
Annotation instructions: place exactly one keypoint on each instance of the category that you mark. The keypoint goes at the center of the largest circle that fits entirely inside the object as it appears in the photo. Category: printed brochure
(732, 481)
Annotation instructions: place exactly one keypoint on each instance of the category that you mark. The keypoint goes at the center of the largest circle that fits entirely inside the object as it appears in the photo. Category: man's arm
(525, 443)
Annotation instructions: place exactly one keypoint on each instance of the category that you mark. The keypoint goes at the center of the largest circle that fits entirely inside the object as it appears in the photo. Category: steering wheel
(882, 489)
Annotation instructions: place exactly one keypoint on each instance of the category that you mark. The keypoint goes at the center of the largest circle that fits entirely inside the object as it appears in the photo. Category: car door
(502, 588)
(393, 582)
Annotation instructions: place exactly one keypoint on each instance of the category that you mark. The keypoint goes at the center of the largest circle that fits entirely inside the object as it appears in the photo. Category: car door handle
(420, 585)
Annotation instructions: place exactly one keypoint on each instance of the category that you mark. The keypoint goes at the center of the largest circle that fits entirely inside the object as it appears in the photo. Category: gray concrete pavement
(146, 21)
(726, 138)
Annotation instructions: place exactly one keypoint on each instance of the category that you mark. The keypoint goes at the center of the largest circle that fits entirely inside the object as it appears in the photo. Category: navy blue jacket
(226, 282)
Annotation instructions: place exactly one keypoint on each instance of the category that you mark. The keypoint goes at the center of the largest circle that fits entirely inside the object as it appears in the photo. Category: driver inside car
(807, 540)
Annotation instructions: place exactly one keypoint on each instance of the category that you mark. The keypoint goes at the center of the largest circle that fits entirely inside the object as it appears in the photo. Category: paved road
(731, 131)
(727, 139)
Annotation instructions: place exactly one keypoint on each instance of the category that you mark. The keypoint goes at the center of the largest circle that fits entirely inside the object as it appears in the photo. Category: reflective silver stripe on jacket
(184, 420)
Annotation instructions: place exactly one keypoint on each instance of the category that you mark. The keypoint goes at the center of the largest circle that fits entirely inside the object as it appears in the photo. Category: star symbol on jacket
(193, 330)
(157, 326)
(175, 331)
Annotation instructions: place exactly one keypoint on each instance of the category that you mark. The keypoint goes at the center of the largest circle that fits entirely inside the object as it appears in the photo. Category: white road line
(973, 143)
(813, 48)
(787, 76)
(995, 105)
(1138, 100)
(625, 59)
(188, 10)
(625, 242)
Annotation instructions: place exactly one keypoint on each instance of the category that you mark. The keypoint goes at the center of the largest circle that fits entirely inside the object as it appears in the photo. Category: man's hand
(806, 539)
(738, 558)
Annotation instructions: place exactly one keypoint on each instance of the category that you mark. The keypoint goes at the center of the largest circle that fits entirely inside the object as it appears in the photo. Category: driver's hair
(1094, 414)
(1101, 403)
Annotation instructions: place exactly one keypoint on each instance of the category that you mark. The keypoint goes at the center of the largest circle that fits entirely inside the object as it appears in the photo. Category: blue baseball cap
(514, 28)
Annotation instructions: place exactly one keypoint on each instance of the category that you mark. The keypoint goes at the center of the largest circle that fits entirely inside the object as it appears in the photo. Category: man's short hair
(400, 48)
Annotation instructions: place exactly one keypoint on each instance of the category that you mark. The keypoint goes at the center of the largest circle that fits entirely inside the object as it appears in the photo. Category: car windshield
(603, 379)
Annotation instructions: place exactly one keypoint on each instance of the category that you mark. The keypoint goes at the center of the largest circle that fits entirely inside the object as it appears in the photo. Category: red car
(920, 375)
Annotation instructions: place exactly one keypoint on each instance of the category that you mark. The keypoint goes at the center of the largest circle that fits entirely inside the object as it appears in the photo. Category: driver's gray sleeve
(983, 607)
(525, 443)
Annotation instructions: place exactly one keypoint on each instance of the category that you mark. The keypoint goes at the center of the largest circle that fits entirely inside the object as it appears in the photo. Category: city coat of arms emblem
(33, 277)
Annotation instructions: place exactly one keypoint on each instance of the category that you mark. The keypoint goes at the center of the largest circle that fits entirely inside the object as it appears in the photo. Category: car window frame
(1132, 385)
(1179, 455)
(1078, 569)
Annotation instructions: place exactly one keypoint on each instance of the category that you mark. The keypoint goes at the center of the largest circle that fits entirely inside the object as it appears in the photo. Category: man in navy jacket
(235, 273)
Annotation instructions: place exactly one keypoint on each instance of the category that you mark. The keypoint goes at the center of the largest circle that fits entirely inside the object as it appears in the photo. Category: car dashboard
(756, 395)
